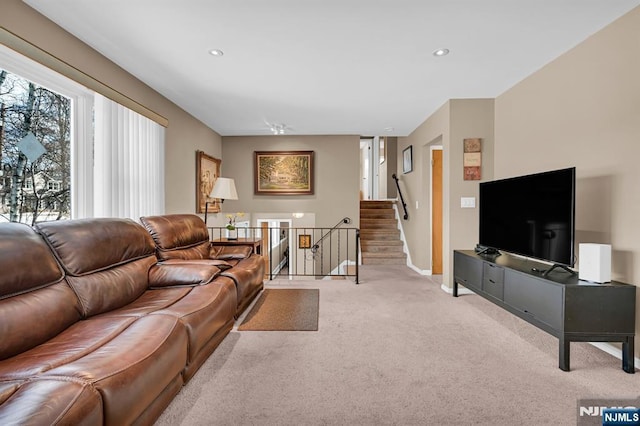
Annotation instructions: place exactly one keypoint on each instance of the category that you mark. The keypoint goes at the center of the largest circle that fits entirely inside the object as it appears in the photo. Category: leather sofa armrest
(180, 275)
(230, 252)
(219, 263)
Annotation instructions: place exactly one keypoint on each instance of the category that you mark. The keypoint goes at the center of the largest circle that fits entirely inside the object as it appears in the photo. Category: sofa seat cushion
(134, 368)
(76, 342)
(49, 402)
(151, 301)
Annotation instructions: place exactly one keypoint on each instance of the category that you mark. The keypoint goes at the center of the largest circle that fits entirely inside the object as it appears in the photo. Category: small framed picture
(407, 159)
(304, 241)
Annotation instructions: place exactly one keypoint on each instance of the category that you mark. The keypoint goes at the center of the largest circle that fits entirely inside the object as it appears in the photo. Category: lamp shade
(224, 189)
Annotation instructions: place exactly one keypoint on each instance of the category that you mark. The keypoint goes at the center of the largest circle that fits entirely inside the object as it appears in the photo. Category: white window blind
(128, 162)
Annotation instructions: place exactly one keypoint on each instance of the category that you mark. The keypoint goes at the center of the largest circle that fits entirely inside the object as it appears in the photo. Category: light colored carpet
(284, 309)
(397, 350)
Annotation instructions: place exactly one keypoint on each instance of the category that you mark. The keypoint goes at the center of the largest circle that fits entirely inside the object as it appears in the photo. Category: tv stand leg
(455, 288)
(563, 354)
(627, 356)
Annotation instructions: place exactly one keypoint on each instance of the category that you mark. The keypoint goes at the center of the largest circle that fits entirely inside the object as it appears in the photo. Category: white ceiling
(329, 66)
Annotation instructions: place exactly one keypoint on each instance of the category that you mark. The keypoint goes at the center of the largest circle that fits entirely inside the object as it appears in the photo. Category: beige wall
(415, 185)
(583, 110)
(449, 126)
(473, 118)
(337, 171)
(184, 135)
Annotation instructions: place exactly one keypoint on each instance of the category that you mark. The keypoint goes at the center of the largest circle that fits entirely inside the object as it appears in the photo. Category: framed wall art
(283, 173)
(207, 171)
(472, 159)
(304, 241)
(407, 159)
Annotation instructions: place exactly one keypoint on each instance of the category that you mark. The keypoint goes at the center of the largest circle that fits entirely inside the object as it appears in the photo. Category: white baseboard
(612, 350)
(461, 290)
(418, 270)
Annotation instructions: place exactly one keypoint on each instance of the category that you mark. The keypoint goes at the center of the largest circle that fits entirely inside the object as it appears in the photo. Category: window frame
(82, 123)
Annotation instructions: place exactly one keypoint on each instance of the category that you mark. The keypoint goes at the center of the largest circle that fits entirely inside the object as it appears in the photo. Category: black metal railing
(316, 246)
(291, 252)
(404, 205)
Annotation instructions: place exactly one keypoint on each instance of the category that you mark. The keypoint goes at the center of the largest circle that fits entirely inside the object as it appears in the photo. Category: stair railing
(316, 246)
(290, 249)
(404, 205)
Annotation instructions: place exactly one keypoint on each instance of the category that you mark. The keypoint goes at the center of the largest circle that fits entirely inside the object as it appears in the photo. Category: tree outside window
(35, 151)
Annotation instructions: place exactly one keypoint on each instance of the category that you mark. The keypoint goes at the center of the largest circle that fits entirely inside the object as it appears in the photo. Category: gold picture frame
(283, 172)
(304, 241)
(207, 171)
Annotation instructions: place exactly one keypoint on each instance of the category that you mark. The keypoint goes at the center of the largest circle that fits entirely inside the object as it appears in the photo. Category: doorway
(367, 170)
(436, 210)
(377, 164)
(277, 253)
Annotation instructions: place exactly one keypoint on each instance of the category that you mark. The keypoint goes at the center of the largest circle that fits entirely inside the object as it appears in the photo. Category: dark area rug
(284, 310)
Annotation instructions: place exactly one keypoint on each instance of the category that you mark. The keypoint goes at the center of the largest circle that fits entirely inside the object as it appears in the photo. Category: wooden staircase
(379, 234)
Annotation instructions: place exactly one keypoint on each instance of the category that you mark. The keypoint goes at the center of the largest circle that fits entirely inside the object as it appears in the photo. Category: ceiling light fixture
(389, 129)
(277, 128)
(216, 52)
(441, 52)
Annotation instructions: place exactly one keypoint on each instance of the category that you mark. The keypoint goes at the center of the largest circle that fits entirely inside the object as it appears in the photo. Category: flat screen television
(533, 215)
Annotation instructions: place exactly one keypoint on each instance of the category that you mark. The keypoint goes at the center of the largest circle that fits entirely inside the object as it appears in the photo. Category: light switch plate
(468, 202)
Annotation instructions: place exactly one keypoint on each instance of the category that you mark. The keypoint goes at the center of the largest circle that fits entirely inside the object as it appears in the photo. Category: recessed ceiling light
(389, 129)
(216, 52)
(441, 52)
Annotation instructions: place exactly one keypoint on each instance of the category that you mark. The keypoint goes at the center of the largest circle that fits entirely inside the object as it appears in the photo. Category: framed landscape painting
(283, 172)
(207, 171)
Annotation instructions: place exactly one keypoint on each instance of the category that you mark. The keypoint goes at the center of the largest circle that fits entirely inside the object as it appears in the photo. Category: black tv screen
(533, 215)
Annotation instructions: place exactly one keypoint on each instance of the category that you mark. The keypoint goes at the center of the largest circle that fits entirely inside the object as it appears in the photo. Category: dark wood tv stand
(558, 303)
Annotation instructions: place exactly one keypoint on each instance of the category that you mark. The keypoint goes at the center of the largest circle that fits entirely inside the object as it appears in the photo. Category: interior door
(436, 211)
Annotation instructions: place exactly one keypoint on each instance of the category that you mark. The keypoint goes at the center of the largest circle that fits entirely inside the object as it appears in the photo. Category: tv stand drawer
(467, 271)
(493, 280)
(532, 296)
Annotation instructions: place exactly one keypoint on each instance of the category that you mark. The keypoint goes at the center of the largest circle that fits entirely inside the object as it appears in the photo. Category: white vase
(232, 234)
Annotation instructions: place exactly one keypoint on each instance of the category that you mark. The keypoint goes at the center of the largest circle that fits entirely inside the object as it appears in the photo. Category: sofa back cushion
(36, 303)
(106, 260)
(178, 236)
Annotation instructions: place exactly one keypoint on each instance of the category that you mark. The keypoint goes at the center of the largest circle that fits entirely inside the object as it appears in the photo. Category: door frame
(431, 149)
(367, 181)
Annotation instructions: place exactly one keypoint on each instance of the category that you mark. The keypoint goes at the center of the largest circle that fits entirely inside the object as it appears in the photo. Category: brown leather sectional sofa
(98, 327)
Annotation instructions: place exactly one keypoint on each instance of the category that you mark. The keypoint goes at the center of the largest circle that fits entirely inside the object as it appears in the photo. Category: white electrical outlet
(468, 202)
